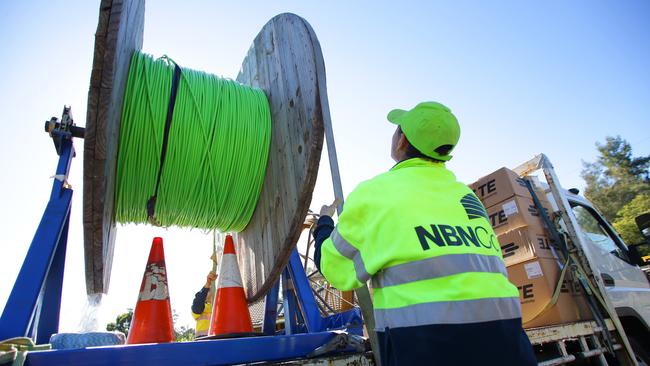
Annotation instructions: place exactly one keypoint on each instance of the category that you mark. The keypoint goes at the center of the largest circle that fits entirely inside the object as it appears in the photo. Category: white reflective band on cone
(229, 275)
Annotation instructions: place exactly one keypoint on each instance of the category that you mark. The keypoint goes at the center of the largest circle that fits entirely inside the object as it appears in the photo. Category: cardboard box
(536, 280)
(525, 243)
(499, 186)
(514, 213)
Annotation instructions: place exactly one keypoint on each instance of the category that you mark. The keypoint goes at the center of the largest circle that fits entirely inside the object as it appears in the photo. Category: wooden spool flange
(119, 33)
(286, 62)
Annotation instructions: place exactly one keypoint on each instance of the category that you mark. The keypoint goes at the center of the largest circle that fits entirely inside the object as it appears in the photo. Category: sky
(523, 78)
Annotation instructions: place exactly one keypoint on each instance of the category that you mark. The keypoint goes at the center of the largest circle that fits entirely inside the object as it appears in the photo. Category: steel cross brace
(33, 307)
(301, 313)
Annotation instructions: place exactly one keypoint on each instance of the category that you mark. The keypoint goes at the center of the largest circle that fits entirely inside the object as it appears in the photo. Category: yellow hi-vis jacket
(425, 241)
(203, 321)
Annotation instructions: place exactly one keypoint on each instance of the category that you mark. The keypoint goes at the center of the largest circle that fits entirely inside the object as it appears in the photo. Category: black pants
(500, 343)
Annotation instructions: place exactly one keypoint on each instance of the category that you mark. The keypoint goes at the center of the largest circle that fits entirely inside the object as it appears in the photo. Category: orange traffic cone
(230, 312)
(152, 319)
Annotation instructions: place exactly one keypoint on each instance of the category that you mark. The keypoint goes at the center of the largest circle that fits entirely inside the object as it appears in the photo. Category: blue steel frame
(301, 313)
(34, 305)
(32, 309)
(305, 331)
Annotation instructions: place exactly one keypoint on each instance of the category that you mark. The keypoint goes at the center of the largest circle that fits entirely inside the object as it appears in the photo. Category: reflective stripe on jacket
(203, 321)
(426, 242)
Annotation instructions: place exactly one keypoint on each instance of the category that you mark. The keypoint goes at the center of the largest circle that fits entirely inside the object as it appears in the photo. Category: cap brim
(395, 115)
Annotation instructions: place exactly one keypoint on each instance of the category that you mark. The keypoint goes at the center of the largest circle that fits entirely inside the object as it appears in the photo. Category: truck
(609, 272)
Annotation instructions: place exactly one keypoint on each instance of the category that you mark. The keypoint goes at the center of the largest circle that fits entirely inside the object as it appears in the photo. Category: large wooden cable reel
(286, 62)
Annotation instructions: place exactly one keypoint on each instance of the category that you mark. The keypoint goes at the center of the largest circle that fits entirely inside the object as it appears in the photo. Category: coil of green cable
(217, 152)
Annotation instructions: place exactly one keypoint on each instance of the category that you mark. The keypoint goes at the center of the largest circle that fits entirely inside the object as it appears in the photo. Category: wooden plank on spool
(283, 62)
(119, 33)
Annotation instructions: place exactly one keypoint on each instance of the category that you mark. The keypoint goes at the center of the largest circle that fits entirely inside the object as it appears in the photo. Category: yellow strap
(8, 356)
(555, 297)
(15, 350)
(23, 344)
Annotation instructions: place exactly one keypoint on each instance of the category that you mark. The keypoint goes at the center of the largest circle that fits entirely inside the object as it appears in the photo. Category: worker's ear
(402, 143)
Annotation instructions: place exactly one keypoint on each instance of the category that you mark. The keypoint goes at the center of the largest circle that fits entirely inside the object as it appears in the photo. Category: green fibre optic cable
(217, 149)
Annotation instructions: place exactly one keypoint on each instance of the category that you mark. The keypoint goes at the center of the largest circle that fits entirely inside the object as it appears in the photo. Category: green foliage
(122, 323)
(184, 334)
(625, 224)
(618, 184)
(616, 177)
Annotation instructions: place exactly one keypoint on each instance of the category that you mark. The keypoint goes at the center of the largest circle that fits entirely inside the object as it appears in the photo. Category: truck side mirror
(635, 255)
(643, 223)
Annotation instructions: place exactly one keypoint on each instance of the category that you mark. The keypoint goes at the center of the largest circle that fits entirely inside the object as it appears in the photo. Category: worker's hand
(214, 257)
(329, 210)
(211, 278)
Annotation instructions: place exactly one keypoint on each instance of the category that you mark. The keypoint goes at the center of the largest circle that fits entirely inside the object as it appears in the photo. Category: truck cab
(626, 284)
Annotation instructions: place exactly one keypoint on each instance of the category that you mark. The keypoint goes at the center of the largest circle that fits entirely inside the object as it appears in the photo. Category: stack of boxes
(526, 248)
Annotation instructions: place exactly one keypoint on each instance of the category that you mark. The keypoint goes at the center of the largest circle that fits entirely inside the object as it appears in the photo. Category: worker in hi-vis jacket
(441, 294)
(202, 306)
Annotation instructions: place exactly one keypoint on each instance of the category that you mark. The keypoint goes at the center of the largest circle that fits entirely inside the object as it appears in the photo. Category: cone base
(230, 315)
(152, 323)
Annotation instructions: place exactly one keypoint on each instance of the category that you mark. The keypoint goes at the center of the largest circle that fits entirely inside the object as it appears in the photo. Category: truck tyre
(641, 354)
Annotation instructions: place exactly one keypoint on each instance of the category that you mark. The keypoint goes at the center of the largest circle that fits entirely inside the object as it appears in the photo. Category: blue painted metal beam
(271, 310)
(48, 319)
(306, 299)
(19, 317)
(350, 320)
(290, 306)
(212, 352)
(310, 315)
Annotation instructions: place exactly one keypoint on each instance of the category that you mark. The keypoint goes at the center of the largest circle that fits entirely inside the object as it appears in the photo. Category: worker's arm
(324, 228)
(340, 249)
(198, 305)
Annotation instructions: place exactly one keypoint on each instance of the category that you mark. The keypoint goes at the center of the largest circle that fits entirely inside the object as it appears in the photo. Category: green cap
(428, 126)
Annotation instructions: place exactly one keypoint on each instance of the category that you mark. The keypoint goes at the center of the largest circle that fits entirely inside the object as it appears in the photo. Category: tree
(625, 224)
(619, 185)
(616, 177)
(182, 333)
(122, 323)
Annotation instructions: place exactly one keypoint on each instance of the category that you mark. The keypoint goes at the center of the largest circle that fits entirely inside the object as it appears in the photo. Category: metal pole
(363, 294)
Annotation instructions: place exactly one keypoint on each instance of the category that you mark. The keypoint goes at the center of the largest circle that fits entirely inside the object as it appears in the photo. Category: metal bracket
(341, 341)
(64, 129)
